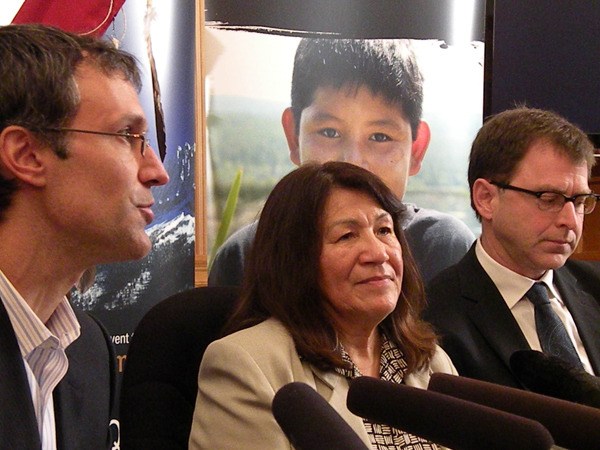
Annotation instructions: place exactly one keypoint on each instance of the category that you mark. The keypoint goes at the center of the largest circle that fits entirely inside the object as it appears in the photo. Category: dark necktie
(550, 329)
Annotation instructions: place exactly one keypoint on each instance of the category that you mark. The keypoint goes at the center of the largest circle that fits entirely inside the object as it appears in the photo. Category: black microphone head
(310, 423)
(571, 425)
(443, 419)
(549, 375)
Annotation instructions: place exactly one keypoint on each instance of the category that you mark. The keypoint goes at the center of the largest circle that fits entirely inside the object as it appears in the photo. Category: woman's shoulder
(440, 363)
(268, 327)
(269, 334)
(265, 351)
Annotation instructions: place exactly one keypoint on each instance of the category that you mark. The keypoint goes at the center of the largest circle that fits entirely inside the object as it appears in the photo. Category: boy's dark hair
(388, 67)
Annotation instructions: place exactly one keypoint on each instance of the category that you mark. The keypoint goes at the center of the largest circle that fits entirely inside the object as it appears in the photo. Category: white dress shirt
(513, 287)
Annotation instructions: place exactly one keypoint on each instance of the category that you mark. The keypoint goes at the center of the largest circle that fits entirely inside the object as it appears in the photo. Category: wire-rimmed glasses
(131, 137)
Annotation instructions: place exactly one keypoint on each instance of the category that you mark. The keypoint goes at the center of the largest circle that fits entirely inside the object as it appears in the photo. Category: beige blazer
(239, 376)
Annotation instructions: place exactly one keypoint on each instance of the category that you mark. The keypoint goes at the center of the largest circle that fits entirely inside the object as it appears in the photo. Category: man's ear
(20, 156)
(289, 128)
(484, 195)
(419, 147)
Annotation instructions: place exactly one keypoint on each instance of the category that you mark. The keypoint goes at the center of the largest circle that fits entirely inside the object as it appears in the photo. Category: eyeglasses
(131, 137)
(555, 201)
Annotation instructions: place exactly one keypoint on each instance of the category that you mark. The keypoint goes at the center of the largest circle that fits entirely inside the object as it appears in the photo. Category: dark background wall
(545, 53)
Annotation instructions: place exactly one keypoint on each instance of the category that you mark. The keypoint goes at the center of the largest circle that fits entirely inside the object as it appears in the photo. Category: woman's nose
(373, 250)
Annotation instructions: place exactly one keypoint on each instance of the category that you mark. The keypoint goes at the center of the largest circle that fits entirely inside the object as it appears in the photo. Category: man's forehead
(544, 160)
(108, 94)
(542, 149)
(89, 69)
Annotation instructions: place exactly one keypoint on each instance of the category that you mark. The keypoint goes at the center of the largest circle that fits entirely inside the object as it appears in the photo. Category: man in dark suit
(528, 178)
(75, 179)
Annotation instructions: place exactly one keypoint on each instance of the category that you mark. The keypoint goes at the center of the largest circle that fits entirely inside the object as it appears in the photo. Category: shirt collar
(512, 286)
(30, 331)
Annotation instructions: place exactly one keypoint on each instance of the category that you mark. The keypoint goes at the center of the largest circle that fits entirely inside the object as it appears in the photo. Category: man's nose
(569, 216)
(152, 171)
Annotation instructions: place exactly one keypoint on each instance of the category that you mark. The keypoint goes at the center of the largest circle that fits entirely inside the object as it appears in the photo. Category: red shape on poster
(77, 16)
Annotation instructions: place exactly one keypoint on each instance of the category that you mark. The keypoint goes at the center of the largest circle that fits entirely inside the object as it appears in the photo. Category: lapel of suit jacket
(585, 311)
(67, 406)
(18, 425)
(488, 310)
(333, 387)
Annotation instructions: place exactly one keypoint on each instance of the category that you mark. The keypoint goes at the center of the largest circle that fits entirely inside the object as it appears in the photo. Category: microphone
(310, 423)
(572, 426)
(549, 375)
(445, 420)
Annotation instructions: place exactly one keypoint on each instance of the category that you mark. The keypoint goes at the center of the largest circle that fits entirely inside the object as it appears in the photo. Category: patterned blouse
(392, 368)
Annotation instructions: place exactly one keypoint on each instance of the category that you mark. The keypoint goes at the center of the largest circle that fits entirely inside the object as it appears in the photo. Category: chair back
(159, 385)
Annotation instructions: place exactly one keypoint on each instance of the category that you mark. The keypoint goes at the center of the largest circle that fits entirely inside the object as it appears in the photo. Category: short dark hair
(504, 139)
(282, 269)
(388, 67)
(38, 88)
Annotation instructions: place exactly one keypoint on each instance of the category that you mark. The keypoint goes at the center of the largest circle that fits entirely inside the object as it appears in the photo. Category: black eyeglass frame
(538, 195)
(145, 143)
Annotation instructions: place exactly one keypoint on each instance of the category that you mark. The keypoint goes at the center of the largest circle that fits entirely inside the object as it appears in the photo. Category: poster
(123, 292)
(249, 55)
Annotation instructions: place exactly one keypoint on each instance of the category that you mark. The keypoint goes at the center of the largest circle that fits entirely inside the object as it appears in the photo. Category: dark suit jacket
(478, 330)
(83, 400)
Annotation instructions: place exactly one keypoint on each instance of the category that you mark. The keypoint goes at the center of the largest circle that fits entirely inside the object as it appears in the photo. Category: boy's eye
(380, 137)
(329, 133)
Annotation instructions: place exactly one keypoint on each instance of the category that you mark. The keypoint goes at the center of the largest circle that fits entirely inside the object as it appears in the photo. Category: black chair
(159, 385)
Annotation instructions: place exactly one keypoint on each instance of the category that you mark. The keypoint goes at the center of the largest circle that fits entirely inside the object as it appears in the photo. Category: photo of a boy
(360, 101)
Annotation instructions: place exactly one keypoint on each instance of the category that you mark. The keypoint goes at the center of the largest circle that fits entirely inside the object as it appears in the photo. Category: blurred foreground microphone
(310, 423)
(572, 426)
(445, 420)
(549, 375)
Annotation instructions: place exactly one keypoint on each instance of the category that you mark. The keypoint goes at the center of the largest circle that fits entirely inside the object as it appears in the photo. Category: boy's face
(358, 127)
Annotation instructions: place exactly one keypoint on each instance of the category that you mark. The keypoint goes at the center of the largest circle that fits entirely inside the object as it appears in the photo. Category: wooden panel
(200, 254)
(589, 245)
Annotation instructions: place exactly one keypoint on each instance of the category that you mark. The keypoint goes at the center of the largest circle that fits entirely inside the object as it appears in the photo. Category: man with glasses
(75, 180)
(528, 178)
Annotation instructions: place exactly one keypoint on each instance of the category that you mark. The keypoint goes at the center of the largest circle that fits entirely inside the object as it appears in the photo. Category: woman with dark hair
(331, 292)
